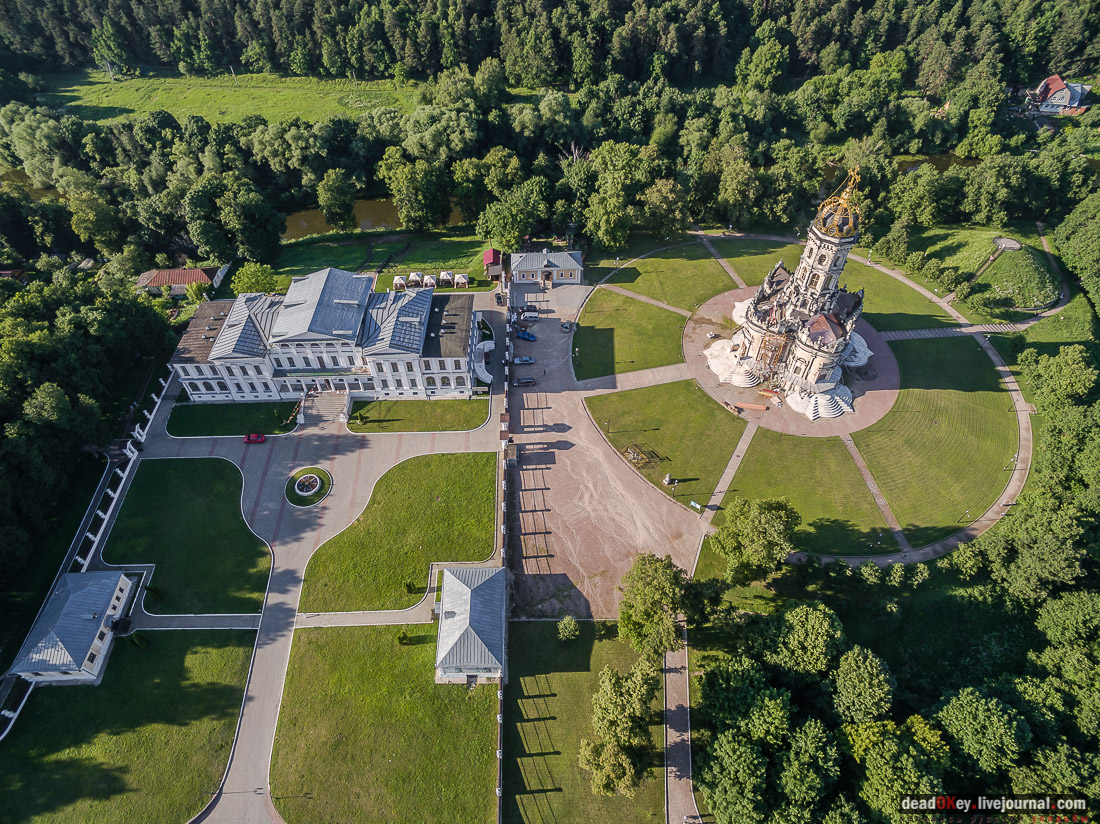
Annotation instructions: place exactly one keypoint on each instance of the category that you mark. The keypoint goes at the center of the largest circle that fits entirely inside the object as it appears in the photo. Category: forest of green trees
(602, 119)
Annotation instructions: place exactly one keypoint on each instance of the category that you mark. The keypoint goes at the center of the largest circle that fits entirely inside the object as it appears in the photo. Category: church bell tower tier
(797, 331)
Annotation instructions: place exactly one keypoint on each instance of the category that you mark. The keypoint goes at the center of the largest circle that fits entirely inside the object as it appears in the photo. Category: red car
(254, 438)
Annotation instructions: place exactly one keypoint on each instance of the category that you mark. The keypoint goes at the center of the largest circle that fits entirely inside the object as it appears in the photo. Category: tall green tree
(653, 591)
(336, 199)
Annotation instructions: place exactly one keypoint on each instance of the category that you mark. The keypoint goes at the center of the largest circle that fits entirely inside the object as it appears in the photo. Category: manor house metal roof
(328, 303)
(471, 623)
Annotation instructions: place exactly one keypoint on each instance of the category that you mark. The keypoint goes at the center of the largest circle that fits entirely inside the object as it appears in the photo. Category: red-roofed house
(177, 280)
(1055, 96)
(493, 268)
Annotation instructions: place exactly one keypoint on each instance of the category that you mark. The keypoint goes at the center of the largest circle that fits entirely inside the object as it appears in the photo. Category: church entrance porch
(874, 386)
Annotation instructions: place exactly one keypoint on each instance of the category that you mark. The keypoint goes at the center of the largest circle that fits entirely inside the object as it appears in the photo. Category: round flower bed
(308, 486)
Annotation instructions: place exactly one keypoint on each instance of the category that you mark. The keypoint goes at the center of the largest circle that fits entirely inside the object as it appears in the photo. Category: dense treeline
(540, 43)
(616, 157)
(64, 348)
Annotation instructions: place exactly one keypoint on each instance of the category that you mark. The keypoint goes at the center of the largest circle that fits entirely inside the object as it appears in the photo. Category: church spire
(839, 214)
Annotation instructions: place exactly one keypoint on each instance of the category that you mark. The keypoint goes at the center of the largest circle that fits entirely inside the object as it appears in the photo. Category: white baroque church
(797, 333)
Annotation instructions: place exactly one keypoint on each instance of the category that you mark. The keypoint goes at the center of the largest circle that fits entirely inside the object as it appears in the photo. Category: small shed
(491, 257)
(416, 278)
(398, 282)
(471, 643)
(429, 281)
(462, 281)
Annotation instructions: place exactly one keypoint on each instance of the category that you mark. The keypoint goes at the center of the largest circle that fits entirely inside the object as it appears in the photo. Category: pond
(371, 214)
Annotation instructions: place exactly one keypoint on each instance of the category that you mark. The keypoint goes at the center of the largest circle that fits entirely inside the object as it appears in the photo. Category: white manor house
(332, 331)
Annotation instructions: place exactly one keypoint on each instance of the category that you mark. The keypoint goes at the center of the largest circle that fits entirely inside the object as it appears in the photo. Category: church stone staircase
(325, 407)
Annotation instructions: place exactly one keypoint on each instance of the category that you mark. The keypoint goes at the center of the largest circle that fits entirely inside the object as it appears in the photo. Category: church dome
(838, 215)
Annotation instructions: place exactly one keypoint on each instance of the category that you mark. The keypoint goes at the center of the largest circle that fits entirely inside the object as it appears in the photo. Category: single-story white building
(72, 636)
(547, 267)
(472, 626)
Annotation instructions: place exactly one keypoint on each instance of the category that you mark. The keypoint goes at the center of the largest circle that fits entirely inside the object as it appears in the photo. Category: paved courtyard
(584, 514)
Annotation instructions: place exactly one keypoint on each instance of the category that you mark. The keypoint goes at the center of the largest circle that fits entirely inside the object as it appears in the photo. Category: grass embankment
(184, 515)
(319, 494)
(839, 516)
(675, 428)
(92, 95)
(1018, 280)
(944, 448)
(429, 508)
(148, 744)
(547, 711)
(617, 334)
(366, 735)
(191, 420)
(433, 252)
(418, 416)
(683, 276)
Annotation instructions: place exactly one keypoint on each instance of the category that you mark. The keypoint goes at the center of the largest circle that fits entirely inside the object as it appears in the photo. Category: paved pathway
(721, 260)
(876, 493)
(679, 796)
(635, 380)
(651, 301)
(356, 462)
(731, 470)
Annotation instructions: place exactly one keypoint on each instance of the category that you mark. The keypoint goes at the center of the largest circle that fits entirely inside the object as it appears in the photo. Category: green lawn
(890, 304)
(617, 334)
(430, 253)
(91, 95)
(754, 259)
(149, 744)
(226, 419)
(1018, 279)
(547, 711)
(429, 508)
(365, 734)
(599, 263)
(683, 276)
(184, 515)
(302, 257)
(943, 449)
(839, 516)
(678, 429)
(323, 488)
(418, 416)
(25, 585)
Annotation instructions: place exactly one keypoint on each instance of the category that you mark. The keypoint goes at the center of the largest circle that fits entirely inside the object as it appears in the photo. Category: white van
(529, 316)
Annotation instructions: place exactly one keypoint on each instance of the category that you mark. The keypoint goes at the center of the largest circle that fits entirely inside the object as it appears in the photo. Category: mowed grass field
(616, 333)
(418, 416)
(754, 259)
(148, 744)
(683, 276)
(430, 253)
(365, 734)
(944, 447)
(297, 258)
(92, 95)
(224, 419)
(818, 475)
(889, 304)
(680, 430)
(547, 711)
(184, 515)
(429, 508)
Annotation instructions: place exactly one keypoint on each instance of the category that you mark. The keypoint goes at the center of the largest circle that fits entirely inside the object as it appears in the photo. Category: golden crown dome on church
(839, 215)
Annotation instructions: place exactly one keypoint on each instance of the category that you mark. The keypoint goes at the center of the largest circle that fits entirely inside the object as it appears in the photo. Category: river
(371, 214)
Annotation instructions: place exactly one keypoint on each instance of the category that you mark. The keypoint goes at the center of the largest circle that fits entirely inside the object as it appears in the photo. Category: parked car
(524, 382)
(566, 326)
(529, 316)
(523, 335)
(523, 360)
(254, 438)
(499, 298)
(530, 307)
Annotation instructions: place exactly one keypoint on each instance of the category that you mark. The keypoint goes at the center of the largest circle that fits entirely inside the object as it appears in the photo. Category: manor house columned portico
(331, 331)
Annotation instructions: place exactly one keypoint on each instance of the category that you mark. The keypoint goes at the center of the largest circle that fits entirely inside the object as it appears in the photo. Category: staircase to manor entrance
(324, 407)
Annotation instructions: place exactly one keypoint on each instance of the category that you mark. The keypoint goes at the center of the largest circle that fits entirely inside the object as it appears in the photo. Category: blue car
(525, 335)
